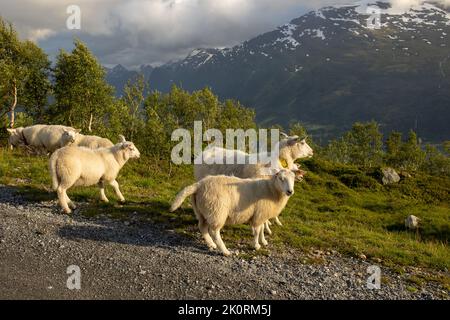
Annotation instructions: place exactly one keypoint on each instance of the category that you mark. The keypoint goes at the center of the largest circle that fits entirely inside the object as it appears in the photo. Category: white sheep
(72, 138)
(224, 200)
(81, 166)
(40, 136)
(290, 149)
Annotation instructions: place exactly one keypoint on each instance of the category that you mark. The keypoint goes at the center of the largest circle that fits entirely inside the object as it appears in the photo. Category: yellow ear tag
(283, 163)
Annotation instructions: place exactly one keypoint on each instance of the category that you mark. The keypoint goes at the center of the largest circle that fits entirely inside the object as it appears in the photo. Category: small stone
(273, 292)
(362, 256)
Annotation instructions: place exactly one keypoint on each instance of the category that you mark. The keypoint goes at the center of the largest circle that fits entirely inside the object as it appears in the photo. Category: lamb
(290, 148)
(224, 200)
(81, 166)
(46, 137)
(77, 139)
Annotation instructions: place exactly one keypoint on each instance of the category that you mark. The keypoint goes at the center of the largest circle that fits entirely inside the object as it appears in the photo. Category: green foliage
(359, 181)
(436, 163)
(133, 100)
(24, 70)
(361, 146)
(165, 113)
(82, 94)
(405, 155)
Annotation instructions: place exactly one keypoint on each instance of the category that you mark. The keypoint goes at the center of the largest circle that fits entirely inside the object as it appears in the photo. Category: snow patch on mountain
(325, 23)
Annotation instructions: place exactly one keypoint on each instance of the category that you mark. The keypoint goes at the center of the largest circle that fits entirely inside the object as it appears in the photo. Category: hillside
(327, 69)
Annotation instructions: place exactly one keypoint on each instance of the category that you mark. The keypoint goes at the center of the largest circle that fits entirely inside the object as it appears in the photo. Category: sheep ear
(11, 131)
(293, 140)
(125, 144)
(122, 138)
(284, 135)
(77, 130)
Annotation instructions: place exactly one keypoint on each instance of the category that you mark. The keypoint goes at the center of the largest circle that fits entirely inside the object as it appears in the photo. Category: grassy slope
(337, 207)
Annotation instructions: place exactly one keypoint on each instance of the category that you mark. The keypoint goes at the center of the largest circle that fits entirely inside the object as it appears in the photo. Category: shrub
(359, 180)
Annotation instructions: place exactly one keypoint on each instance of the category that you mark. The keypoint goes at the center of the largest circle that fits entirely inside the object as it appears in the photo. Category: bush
(359, 180)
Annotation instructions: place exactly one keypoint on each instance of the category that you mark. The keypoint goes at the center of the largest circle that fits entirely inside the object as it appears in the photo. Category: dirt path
(145, 261)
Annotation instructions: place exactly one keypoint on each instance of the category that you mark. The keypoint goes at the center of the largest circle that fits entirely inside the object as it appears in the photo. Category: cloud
(137, 32)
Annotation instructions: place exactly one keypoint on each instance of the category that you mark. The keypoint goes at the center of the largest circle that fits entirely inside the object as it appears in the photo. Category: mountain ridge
(328, 69)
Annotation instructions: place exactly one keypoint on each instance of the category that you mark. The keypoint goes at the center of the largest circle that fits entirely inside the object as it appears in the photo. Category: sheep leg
(258, 230)
(70, 203)
(103, 197)
(205, 233)
(261, 236)
(266, 227)
(62, 197)
(115, 186)
(278, 222)
(220, 243)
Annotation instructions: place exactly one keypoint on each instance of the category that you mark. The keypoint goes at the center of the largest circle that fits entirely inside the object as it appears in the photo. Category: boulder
(389, 176)
(412, 222)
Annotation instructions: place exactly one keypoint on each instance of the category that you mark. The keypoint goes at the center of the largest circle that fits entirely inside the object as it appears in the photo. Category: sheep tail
(52, 167)
(182, 195)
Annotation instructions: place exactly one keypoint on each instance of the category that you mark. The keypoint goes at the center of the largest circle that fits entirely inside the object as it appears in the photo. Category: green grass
(336, 207)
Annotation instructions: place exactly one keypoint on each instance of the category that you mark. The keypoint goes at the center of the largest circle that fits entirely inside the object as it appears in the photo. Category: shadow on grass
(424, 234)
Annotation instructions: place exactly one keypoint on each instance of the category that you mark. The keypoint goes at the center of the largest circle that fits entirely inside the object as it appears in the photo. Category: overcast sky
(135, 32)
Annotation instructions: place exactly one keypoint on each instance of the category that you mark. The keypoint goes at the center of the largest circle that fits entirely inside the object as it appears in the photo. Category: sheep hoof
(105, 200)
(257, 247)
(279, 223)
(72, 206)
(265, 243)
(122, 201)
(67, 211)
(226, 253)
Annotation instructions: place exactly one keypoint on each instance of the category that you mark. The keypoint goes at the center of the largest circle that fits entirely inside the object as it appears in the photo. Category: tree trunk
(90, 123)
(13, 107)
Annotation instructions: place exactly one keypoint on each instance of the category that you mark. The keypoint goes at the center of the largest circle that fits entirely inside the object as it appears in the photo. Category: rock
(390, 176)
(412, 222)
(404, 174)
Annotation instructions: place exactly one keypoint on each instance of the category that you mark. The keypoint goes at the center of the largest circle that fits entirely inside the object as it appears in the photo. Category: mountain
(329, 68)
(119, 76)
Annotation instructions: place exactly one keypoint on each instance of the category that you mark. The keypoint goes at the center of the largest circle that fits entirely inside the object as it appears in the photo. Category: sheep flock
(223, 194)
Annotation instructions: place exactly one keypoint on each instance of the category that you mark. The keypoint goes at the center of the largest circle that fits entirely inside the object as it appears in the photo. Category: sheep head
(129, 150)
(284, 182)
(299, 147)
(69, 136)
(15, 138)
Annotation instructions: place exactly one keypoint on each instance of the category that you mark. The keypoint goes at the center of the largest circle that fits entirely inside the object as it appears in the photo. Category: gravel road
(131, 260)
